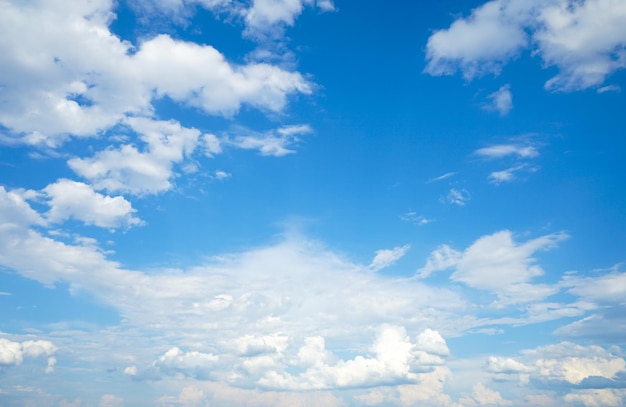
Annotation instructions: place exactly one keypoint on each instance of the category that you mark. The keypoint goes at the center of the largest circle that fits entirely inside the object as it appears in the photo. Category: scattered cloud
(85, 79)
(75, 200)
(413, 217)
(441, 177)
(387, 257)
(13, 353)
(456, 197)
(504, 150)
(508, 175)
(275, 143)
(394, 359)
(496, 263)
(584, 40)
(501, 101)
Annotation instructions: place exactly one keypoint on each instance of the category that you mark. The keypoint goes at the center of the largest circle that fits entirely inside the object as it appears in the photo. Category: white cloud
(497, 263)
(413, 217)
(597, 397)
(496, 364)
(487, 397)
(13, 353)
(79, 79)
(604, 289)
(508, 175)
(275, 143)
(193, 364)
(270, 16)
(501, 100)
(456, 197)
(583, 39)
(442, 258)
(70, 199)
(605, 292)
(504, 150)
(441, 177)
(179, 70)
(386, 257)
(15, 211)
(127, 169)
(574, 363)
(479, 44)
(394, 358)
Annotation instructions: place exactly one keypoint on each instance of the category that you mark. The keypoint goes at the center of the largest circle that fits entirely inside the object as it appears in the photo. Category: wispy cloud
(504, 150)
(441, 177)
(507, 175)
(456, 197)
(275, 143)
(501, 100)
(386, 257)
(413, 217)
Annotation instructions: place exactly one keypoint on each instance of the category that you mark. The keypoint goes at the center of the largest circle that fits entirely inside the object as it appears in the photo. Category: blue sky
(312, 202)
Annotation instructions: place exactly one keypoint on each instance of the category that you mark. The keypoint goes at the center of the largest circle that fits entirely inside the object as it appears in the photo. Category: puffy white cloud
(15, 212)
(583, 39)
(13, 353)
(394, 359)
(271, 15)
(496, 364)
(181, 71)
(386, 257)
(127, 169)
(67, 74)
(496, 263)
(76, 200)
(573, 363)
(501, 100)
(479, 44)
(193, 364)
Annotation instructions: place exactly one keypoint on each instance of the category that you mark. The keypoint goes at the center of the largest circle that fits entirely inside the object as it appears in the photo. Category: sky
(312, 203)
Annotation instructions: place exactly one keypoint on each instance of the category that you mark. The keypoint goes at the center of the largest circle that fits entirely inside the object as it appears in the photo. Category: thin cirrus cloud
(583, 40)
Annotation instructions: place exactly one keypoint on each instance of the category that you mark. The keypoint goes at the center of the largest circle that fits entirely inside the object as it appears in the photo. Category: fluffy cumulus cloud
(268, 15)
(583, 39)
(14, 353)
(497, 263)
(75, 200)
(148, 169)
(79, 79)
(394, 358)
(564, 364)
